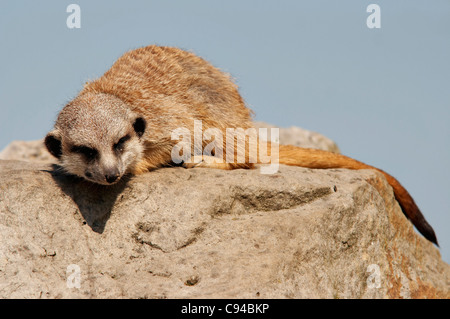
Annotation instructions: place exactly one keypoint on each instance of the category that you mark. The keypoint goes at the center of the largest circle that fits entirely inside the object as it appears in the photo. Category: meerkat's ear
(139, 126)
(53, 143)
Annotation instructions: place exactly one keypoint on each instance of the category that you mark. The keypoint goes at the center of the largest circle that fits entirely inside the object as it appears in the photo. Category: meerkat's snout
(101, 175)
(112, 175)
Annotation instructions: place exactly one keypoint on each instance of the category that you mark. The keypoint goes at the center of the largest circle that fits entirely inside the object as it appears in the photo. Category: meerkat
(121, 123)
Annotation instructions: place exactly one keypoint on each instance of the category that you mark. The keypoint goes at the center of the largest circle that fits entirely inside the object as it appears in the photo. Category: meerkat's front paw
(206, 162)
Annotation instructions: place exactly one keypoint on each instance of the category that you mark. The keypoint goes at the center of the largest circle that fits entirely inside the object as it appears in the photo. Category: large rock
(202, 233)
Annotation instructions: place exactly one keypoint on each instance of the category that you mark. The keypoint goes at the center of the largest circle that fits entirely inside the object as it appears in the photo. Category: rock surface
(202, 233)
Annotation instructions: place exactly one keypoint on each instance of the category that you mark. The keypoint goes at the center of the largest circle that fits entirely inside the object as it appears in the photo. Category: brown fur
(170, 88)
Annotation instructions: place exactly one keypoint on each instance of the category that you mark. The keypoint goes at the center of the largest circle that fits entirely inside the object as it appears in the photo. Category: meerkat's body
(122, 122)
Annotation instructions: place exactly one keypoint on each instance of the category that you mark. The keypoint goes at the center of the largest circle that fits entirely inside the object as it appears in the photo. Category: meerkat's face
(98, 138)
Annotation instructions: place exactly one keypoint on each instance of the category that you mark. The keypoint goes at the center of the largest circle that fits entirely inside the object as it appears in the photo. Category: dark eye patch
(119, 145)
(88, 152)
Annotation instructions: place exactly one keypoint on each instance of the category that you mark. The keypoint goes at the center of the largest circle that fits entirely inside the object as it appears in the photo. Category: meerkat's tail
(312, 158)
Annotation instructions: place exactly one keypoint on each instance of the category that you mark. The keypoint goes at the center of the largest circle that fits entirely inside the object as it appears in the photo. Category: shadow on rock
(94, 201)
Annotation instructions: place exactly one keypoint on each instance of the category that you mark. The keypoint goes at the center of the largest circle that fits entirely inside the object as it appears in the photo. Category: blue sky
(382, 94)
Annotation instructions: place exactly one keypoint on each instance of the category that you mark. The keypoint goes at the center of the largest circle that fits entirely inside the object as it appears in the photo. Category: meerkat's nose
(111, 176)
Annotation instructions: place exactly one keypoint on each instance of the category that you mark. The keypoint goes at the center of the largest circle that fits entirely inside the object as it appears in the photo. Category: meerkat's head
(97, 137)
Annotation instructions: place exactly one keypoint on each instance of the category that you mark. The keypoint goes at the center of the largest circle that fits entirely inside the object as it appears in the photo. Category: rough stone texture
(202, 233)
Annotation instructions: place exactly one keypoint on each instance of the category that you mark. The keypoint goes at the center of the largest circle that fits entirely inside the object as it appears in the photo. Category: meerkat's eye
(120, 144)
(88, 152)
